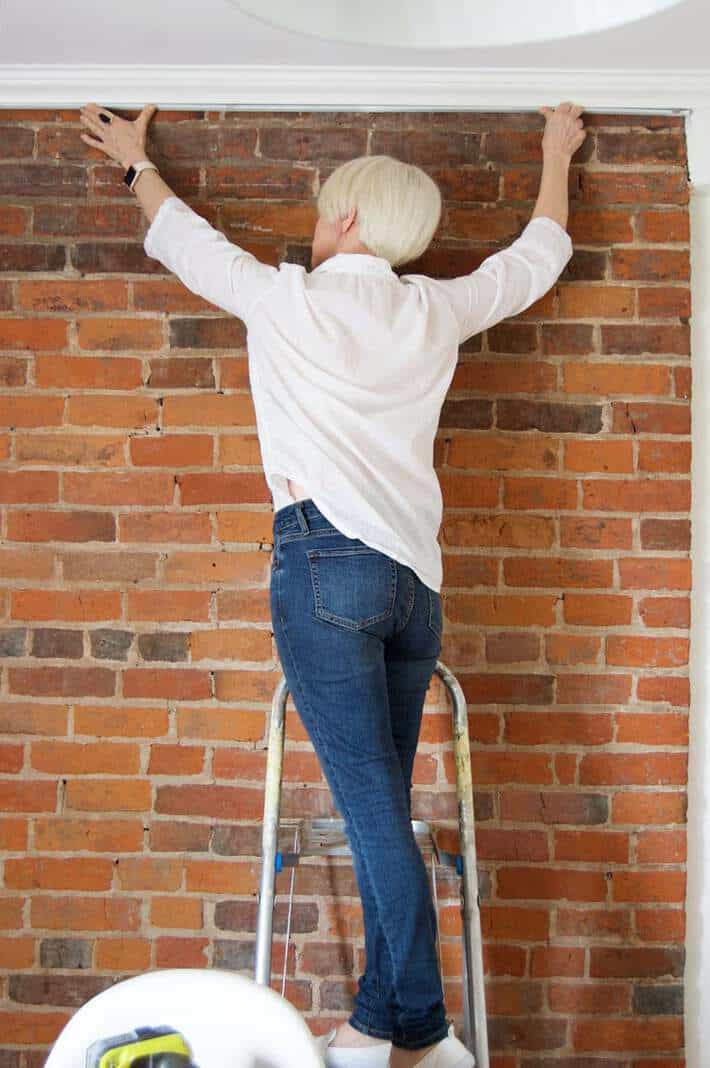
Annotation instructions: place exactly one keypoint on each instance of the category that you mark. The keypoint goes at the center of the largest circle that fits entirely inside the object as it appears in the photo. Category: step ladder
(327, 837)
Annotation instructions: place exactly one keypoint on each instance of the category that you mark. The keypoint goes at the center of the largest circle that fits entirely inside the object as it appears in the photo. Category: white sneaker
(347, 1057)
(449, 1053)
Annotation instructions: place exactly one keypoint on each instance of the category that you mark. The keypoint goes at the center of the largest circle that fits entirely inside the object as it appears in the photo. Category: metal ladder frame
(327, 837)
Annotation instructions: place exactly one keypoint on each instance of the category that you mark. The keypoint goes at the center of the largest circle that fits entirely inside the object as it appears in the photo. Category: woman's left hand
(120, 139)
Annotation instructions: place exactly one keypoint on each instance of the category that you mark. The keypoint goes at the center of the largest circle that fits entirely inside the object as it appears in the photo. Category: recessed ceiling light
(448, 23)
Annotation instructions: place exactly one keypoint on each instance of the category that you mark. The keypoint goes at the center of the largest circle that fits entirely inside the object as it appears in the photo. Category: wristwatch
(131, 175)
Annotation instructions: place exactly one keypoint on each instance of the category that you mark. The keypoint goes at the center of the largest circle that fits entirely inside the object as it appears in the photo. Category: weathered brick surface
(137, 659)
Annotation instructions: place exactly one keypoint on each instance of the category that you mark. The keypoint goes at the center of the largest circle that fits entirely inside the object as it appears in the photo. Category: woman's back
(349, 366)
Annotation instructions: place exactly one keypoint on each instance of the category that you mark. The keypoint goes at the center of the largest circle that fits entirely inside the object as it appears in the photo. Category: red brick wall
(138, 664)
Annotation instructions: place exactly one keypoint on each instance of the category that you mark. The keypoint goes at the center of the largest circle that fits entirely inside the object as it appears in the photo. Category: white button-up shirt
(349, 365)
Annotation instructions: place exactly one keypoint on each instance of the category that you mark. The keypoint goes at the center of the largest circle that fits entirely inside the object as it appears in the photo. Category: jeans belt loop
(302, 521)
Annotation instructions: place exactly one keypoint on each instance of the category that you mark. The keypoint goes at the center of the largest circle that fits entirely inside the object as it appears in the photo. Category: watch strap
(135, 169)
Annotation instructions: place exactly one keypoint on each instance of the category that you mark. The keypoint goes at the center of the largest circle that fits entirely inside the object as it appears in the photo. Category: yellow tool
(143, 1047)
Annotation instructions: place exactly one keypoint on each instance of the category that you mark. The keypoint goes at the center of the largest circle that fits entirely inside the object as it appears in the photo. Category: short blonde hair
(398, 205)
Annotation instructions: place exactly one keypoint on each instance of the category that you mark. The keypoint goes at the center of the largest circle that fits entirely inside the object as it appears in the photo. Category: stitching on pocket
(322, 611)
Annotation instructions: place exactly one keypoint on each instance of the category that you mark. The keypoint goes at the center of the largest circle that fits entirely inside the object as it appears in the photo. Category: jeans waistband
(302, 516)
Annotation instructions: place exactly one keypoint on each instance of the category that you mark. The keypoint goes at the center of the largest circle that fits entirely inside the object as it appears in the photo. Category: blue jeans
(358, 635)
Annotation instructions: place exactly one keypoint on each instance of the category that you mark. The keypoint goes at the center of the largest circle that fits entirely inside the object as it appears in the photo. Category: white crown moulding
(218, 86)
(230, 87)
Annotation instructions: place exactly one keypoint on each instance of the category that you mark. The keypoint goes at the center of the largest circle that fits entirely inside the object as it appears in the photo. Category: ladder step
(327, 837)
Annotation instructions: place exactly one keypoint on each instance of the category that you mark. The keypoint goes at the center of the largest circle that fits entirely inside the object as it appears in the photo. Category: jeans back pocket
(353, 587)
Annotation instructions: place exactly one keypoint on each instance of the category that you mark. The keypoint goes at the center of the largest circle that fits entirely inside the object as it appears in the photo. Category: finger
(93, 124)
(96, 110)
(92, 141)
(145, 116)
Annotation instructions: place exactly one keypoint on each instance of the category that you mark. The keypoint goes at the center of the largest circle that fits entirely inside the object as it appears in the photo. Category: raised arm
(204, 260)
(509, 281)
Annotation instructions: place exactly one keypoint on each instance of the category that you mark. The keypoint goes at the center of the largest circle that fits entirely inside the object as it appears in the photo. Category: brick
(665, 611)
(662, 456)
(599, 226)
(608, 456)
(43, 179)
(650, 264)
(572, 649)
(87, 220)
(596, 301)
(466, 413)
(183, 373)
(509, 689)
(546, 493)
(504, 376)
(33, 334)
(647, 652)
(622, 769)
(609, 378)
(502, 611)
(565, 884)
(641, 147)
(656, 573)
(670, 688)
(635, 187)
(552, 728)
(618, 1034)
(513, 337)
(550, 418)
(557, 572)
(651, 728)
(639, 338)
(593, 689)
(499, 453)
(30, 256)
(663, 224)
(664, 302)
(641, 495)
(205, 333)
(638, 418)
(594, 532)
(112, 333)
(665, 534)
(119, 488)
(567, 339)
(591, 610)
(512, 647)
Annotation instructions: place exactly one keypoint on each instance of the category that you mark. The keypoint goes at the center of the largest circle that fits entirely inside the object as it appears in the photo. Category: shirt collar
(360, 262)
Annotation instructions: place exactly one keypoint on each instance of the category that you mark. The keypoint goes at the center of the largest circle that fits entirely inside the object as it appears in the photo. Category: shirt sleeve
(205, 260)
(509, 281)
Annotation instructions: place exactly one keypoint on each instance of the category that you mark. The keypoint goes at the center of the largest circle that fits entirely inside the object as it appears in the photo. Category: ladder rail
(475, 1036)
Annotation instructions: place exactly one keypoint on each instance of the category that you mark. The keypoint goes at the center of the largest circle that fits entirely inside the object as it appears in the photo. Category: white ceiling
(130, 32)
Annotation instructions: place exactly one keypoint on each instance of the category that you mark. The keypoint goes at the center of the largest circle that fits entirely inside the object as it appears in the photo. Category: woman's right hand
(564, 131)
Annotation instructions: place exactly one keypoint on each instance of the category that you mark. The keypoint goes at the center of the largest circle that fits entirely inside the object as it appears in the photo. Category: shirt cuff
(150, 238)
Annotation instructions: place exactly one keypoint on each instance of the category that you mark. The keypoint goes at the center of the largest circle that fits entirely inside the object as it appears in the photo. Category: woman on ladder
(349, 366)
